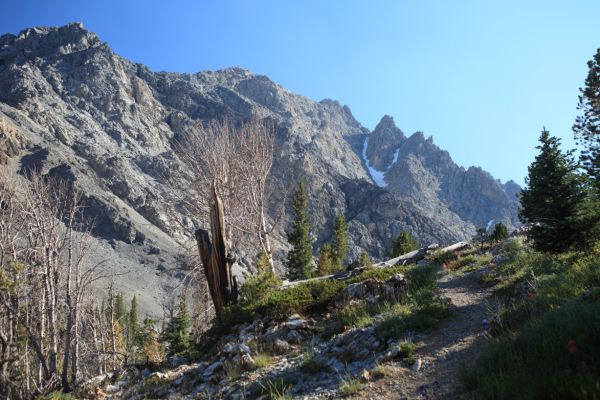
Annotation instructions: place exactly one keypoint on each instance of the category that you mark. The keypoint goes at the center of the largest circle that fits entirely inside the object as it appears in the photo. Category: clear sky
(481, 76)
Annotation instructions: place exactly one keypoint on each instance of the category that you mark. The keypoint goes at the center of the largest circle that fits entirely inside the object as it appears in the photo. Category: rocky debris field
(311, 356)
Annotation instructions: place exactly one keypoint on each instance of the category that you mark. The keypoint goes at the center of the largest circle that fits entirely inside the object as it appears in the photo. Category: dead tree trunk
(215, 258)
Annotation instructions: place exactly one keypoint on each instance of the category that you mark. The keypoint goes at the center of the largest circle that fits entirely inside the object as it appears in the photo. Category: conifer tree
(552, 197)
(364, 260)
(339, 244)
(587, 126)
(404, 243)
(299, 261)
(500, 232)
(177, 331)
(325, 262)
(149, 342)
(133, 328)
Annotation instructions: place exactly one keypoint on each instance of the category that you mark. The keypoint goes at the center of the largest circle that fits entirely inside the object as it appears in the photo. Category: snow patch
(489, 224)
(395, 157)
(376, 175)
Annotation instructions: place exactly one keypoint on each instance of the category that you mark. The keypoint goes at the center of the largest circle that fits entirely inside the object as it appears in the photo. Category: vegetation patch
(554, 357)
(349, 386)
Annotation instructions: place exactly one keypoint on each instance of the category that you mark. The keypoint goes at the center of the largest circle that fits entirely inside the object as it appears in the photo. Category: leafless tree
(236, 161)
(44, 273)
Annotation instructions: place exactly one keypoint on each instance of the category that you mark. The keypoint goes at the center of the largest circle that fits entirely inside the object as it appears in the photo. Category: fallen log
(412, 257)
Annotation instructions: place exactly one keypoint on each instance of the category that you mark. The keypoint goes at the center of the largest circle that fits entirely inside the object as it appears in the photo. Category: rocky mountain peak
(39, 42)
(383, 144)
(109, 122)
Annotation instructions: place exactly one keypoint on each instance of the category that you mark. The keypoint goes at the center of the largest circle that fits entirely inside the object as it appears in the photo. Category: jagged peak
(386, 122)
(42, 41)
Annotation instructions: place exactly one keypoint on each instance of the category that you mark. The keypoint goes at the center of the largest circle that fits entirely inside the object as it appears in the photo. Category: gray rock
(212, 369)
(294, 337)
(115, 122)
(281, 346)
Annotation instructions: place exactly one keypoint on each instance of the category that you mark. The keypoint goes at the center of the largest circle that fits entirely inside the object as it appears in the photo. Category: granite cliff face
(73, 108)
(426, 176)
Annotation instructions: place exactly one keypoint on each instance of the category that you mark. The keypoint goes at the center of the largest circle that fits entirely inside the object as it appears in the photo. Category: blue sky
(482, 77)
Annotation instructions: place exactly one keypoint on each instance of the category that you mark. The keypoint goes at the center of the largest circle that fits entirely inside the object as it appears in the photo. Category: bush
(349, 386)
(259, 286)
(313, 365)
(554, 357)
(404, 243)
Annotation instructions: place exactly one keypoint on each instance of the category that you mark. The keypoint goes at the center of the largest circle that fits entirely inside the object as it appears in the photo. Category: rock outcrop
(71, 105)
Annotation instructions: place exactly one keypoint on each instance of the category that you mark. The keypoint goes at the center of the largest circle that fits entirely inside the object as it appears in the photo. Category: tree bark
(215, 258)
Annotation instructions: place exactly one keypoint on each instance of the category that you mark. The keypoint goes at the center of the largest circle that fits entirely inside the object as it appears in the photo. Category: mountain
(76, 110)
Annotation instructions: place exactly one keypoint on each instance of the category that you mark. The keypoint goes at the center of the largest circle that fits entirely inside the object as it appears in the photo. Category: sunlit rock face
(70, 105)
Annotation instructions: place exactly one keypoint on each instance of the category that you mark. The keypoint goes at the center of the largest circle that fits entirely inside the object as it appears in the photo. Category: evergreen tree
(120, 309)
(299, 261)
(148, 340)
(133, 327)
(587, 126)
(481, 236)
(325, 262)
(552, 197)
(262, 262)
(177, 331)
(500, 232)
(404, 243)
(364, 260)
(339, 244)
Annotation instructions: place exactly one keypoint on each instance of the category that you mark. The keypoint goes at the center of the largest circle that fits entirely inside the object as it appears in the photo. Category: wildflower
(571, 346)
(486, 325)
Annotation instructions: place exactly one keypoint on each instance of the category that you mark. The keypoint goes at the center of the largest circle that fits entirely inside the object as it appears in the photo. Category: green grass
(315, 296)
(349, 386)
(57, 396)
(277, 388)
(422, 311)
(543, 310)
(262, 361)
(406, 348)
(536, 363)
(313, 365)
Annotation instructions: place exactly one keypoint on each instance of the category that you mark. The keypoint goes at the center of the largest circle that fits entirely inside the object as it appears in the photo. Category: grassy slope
(546, 333)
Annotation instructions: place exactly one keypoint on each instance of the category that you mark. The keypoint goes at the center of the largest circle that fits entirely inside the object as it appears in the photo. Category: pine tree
(339, 244)
(299, 261)
(177, 331)
(133, 327)
(404, 243)
(364, 260)
(587, 126)
(120, 309)
(500, 232)
(481, 236)
(262, 262)
(552, 198)
(149, 342)
(325, 262)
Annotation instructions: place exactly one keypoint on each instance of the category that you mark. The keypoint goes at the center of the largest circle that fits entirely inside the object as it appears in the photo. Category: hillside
(72, 107)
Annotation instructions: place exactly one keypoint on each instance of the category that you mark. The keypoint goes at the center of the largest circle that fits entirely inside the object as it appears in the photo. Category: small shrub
(379, 372)
(349, 386)
(406, 348)
(355, 316)
(553, 357)
(57, 396)
(277, 388)
(313, 365)
(443, 257)
(259, 286)
(393, 324)
(262, 360)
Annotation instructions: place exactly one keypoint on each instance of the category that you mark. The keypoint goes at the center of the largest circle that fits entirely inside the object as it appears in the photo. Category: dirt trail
(444, 351)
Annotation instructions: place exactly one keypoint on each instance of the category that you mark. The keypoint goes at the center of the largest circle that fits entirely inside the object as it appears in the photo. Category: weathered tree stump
(215, 257)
